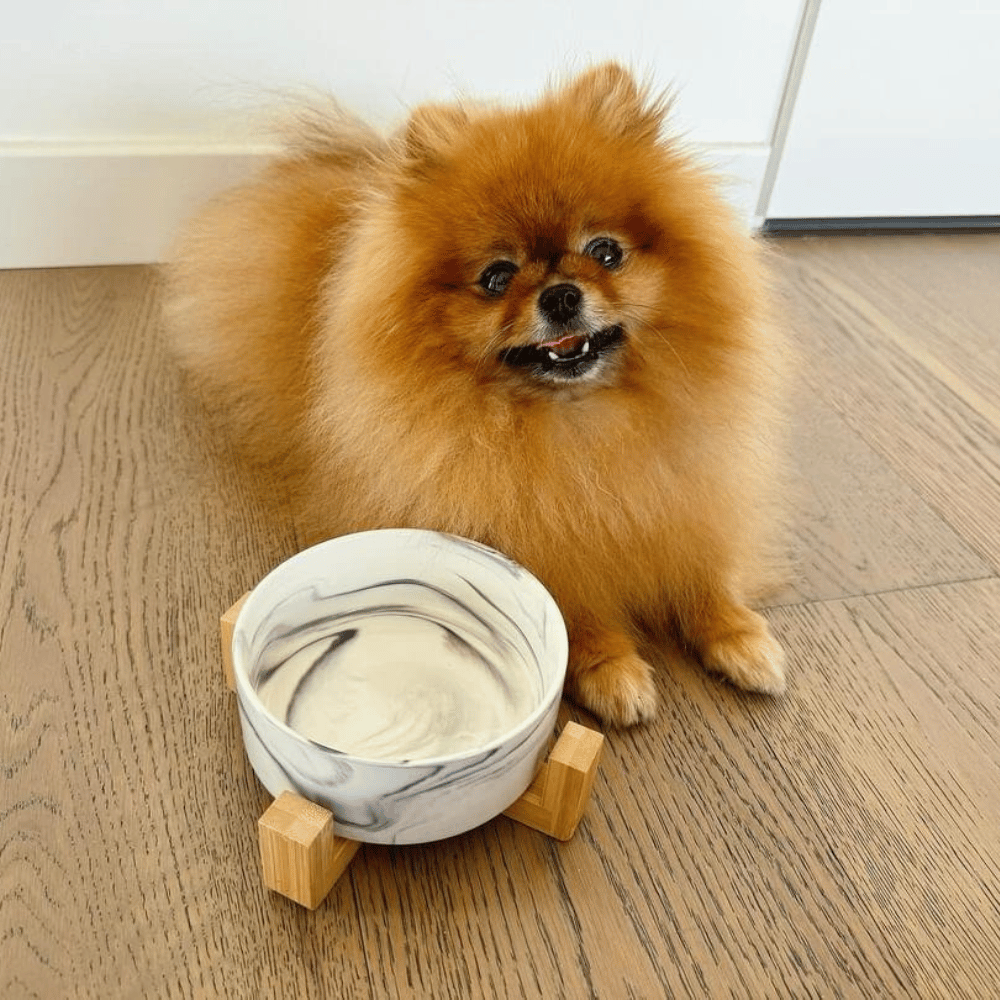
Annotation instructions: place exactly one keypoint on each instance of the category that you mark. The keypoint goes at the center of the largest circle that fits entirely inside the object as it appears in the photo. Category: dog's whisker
(663, 338)
(493, 346)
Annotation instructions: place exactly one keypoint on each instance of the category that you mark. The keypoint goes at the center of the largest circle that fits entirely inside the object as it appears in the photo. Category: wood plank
(839, 842)
(937, 297)
(932, 431)
(127, 831)
(857, 526)
(898, 778)
(479, 915)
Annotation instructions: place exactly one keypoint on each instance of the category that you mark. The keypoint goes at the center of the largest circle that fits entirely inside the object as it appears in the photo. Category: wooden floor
(841, 842)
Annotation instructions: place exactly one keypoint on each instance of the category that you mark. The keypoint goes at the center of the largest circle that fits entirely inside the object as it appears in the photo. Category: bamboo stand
(302, 857)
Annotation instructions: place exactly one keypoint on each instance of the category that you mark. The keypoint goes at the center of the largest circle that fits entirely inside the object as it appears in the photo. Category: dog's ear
(431, 130)
(609, 94)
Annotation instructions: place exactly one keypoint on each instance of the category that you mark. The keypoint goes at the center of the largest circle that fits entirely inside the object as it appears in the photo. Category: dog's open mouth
(569, 356)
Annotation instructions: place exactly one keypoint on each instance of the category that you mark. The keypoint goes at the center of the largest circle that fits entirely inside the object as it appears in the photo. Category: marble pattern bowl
(408, 681)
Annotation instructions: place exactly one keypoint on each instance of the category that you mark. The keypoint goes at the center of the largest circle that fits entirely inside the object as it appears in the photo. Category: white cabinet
(897, 113)
(117, 118)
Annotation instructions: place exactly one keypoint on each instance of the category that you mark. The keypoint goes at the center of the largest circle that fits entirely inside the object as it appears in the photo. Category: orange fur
(333, 310)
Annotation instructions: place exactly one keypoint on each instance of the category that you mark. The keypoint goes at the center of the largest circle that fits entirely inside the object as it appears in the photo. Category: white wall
(118, 116)
(897, 113)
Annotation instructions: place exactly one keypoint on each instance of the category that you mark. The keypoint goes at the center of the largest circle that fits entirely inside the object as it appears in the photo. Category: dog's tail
(316, 126)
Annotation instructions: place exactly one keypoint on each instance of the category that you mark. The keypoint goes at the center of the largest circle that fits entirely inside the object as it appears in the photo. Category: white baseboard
(887, 176)
(74, 204)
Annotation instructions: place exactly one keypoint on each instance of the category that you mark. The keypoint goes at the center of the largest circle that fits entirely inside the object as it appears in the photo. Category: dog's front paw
(618, 689)
(744, 652)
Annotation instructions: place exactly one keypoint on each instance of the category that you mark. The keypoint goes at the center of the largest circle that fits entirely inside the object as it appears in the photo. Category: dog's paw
(746, 654)
(618, 689)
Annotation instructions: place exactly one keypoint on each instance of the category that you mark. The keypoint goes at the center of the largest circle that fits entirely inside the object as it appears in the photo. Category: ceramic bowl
(406, 680)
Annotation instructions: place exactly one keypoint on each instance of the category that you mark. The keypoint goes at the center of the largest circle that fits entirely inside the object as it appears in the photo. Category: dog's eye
(606, 252)
(495, 279)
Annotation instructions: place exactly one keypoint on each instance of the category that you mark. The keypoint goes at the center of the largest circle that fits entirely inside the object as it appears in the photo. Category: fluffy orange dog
(537, 327)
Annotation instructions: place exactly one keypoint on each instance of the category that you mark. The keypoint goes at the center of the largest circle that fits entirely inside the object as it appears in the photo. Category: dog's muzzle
(569, 356)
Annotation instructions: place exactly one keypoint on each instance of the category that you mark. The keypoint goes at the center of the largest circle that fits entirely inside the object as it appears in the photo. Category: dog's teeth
(553, 355)
(586, 347)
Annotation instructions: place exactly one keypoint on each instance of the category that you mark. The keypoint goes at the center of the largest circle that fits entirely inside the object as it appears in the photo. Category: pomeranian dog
(538, 327)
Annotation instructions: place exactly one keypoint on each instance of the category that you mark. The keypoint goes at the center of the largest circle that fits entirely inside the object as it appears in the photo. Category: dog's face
(563, 327)
(554, 248)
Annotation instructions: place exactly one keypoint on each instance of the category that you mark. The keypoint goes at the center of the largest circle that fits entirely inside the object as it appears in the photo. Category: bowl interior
(400, 646)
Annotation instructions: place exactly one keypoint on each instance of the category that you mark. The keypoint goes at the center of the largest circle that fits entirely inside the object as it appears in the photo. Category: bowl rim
(550, 696)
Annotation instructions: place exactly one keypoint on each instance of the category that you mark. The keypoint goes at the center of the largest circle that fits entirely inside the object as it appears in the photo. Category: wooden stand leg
(555, 801)
(300, 855)
(227, 623)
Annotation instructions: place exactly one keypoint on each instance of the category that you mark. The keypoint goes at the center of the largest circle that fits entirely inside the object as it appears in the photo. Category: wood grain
(929, 422)
(840, 842)
(860, 527)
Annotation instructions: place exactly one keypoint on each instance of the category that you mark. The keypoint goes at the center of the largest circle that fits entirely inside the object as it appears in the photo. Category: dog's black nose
(560, 303)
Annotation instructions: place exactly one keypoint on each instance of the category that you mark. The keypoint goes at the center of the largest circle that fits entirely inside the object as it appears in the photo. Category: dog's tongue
(565, 346)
